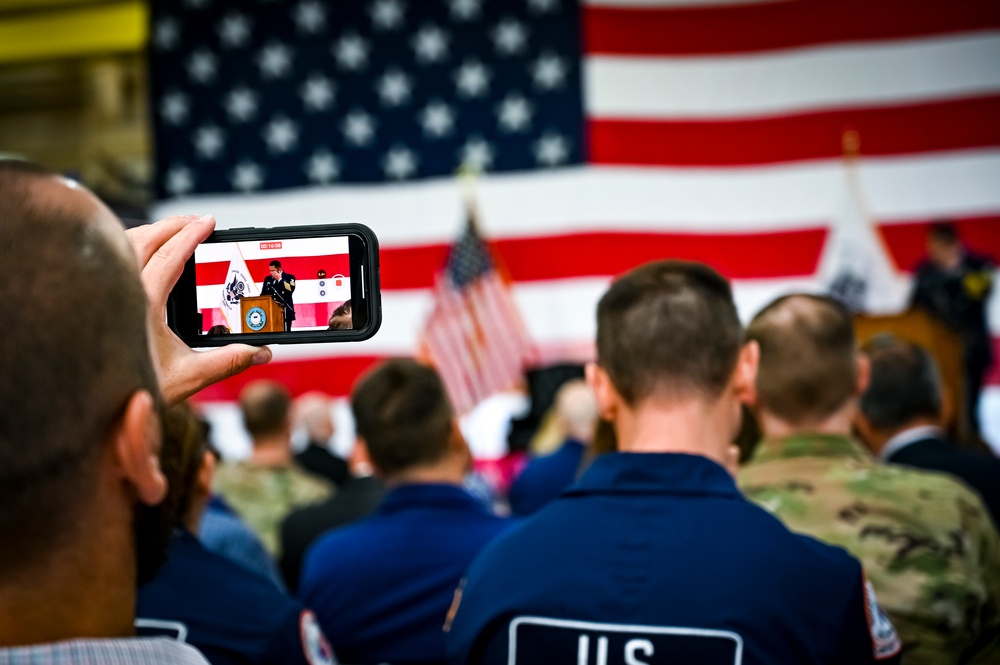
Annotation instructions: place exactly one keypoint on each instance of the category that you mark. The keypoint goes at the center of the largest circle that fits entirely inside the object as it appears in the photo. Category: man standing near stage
(280, 285)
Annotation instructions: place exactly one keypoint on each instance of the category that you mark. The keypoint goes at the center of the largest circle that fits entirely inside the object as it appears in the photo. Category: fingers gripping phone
(288, 285)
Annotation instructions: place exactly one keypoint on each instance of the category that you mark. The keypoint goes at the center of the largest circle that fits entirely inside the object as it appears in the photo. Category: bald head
(577, 410)
(74, 349)
(808, 363)
(265, 406)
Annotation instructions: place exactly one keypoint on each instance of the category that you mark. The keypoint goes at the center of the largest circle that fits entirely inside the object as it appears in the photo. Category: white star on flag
(400, 163)
(234, 30)
(274, 60)
(202, 66)
(394, 88)
(551, 149)
(281, 135)
(549, 72)
(310, 16)
(515, 113)
(322, 167)
(387, 14)
(472, 79)
(241, 104)
(477, 154)
(351, 52)
(437, 119)
(208, 141)
(317, 93)
(543, 6)
(179, 180)
(166, 34)
(466, 10)
(247, 176)
(430, 44)
(359, 128)
(174, 107)
(510, 37)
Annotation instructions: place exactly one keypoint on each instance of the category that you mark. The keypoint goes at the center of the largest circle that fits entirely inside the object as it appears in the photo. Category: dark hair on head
(668, 327)
(402, 411)
(266, 406)
(275, 264)
(185, 442)
(905, 384)
(68, 368)
(808, 362)
(943, 231)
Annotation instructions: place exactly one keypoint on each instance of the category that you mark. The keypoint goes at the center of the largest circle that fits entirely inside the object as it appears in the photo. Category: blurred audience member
(265, 488)
(223, 532)
(382, 587)
(342, 318)
(902, 421)
(545, 477)
(314, 412)
(82, 518)
(658, 537)
(219, 330)
(230, 614)
(357, 497)
(954, 285)
(927, 542)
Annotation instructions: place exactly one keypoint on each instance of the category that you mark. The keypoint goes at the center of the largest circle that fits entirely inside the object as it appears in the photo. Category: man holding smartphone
(280, 285)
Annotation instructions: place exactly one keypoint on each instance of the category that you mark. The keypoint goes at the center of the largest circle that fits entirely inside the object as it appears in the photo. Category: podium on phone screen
(260, 314)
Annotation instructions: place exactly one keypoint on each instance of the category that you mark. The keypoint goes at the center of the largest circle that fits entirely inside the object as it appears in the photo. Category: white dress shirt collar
(908, 436)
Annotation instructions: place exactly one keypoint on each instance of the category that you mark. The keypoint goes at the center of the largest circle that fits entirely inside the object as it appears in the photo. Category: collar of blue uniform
(428, 495)
(809, 445)
(655, 473)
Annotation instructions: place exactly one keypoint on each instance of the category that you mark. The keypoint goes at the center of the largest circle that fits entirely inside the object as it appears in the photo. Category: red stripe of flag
(303, 267)
(775, 25)
(950, 125)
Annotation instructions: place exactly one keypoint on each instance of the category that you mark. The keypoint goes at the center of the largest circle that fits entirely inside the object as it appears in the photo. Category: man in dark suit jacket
(280, 286)
(902, 419)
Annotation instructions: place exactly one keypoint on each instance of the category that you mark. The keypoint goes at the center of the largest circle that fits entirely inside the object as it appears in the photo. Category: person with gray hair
(902, 419)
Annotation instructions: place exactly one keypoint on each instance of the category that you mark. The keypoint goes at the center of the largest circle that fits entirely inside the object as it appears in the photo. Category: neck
(877, 440)
(83, 589)
(275, 450)
(693, 426)
(838, 424)
(449, 471)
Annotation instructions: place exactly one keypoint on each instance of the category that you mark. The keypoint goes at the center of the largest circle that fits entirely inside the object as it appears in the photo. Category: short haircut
(905, 384)
(275, 264)
(69, 363)
(668, 327)
(943, 231)
(185, 442)
(808, 360)
(402, 411)
(266, 406)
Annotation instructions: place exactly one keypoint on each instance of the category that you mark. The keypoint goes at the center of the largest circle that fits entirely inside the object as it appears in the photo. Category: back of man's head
(905, 385)
(403, 414)
(266, 407)
(668, 328)
(73, 351)
(808, 362)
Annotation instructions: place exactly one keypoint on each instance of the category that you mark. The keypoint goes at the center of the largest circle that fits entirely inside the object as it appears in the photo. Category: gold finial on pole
(468, 177)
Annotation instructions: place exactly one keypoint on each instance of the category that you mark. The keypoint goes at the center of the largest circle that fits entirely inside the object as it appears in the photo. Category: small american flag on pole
(475, 335)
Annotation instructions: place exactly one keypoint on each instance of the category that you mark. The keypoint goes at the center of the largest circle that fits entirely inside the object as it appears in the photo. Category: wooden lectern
(945, 345)
(259, 314)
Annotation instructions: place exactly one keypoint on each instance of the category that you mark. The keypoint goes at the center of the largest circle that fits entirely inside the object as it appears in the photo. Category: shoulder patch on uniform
(885, 641)
(315, 647)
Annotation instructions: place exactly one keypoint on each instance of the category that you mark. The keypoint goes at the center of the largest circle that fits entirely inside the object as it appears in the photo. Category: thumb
(200, 370)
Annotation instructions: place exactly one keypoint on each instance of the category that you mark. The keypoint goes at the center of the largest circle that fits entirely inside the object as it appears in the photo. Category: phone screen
(300, 283)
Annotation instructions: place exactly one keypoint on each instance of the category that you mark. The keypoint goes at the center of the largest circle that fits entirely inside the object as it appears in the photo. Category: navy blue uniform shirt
(382, 587)
(545, 477)
(657, 558)
(230, 614)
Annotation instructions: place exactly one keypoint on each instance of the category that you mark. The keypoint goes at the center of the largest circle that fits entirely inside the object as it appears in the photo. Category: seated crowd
(855, 532)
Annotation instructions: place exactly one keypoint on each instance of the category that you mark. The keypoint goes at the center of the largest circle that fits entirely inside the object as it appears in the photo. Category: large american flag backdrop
(611, 132)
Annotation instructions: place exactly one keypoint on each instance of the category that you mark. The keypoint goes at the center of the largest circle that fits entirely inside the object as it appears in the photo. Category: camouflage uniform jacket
(264, 495)
(925, 540)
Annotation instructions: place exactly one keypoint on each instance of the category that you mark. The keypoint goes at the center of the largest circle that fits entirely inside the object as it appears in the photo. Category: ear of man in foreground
(88, 365)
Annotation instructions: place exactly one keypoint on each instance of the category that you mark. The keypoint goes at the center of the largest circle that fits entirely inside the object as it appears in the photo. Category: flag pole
(851, 145)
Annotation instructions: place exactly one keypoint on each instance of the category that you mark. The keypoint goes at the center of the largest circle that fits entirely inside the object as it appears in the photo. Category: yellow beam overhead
(74, 32)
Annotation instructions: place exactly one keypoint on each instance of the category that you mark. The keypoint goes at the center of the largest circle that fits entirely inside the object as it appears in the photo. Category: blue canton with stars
(289, 93)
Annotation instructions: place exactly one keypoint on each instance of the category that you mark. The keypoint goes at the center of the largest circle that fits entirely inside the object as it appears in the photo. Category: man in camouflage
(926, 541)
(265, 488)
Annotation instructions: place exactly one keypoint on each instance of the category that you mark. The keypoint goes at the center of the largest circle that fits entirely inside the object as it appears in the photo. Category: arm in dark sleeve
(867, 635)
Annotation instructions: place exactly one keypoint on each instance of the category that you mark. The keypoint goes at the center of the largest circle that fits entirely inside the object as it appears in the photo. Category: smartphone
(287, 285)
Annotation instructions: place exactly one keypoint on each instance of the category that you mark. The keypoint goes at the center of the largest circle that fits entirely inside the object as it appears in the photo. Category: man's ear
(360, 460)
(137, 447)
(607, 397)
(459, 446)
(745, 374)
(864, 370)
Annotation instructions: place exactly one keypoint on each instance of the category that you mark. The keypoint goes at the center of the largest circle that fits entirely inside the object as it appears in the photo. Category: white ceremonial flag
(238, 284)
(856, 267)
